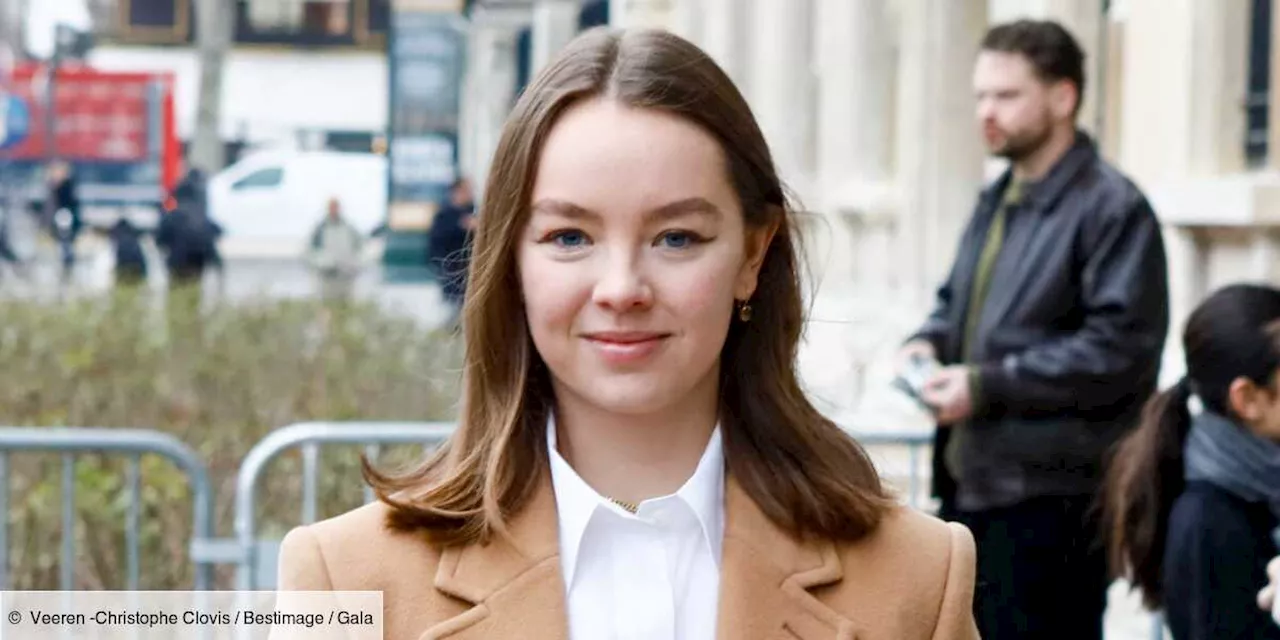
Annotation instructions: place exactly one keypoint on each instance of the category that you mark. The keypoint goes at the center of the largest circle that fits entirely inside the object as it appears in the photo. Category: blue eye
(569, 239)
(678, 239)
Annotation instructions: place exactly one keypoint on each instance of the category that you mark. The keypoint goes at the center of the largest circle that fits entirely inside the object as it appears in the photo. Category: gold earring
(744, 311)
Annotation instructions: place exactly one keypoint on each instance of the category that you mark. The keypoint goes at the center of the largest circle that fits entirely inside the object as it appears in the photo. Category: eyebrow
(689, 206)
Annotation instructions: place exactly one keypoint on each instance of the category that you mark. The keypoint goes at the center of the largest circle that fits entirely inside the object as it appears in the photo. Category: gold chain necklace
(629, 506)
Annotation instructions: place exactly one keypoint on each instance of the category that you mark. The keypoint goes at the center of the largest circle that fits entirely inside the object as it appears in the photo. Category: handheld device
(912, 378)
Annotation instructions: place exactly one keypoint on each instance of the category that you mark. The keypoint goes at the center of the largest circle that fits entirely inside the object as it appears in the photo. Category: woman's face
(633, 255)
(1258, 406)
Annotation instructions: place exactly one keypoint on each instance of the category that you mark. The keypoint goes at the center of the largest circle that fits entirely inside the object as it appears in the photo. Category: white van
(269, 202)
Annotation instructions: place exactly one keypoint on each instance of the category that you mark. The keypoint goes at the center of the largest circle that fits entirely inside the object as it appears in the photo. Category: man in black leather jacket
(1049, 330)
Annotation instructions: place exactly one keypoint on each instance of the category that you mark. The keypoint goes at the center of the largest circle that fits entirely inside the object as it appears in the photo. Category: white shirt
(654, 575)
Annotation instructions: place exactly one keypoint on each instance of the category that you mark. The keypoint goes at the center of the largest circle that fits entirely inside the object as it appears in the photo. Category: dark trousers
(1042, 571)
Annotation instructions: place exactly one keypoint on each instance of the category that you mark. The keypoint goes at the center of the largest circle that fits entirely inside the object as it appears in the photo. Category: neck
(1037, 164)
(635, 457)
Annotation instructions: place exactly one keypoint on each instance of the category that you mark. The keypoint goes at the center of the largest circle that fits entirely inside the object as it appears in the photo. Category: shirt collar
(577, 502)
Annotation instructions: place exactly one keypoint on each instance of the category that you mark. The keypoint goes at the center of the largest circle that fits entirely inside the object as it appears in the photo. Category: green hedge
(219, 379)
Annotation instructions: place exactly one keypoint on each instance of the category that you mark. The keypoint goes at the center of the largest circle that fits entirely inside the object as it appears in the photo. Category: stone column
(940, 156)
(555, 23)
(687, 19)
(723, 36)
(1183, 117)
(781, 85)
(488, 94)
(1183, 120)
(1085, 21)
(856, 191)
(1109, 99)
(1266, 254)
(641, 13)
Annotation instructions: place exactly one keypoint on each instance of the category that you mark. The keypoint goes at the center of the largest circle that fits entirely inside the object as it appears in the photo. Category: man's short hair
(1052, 51)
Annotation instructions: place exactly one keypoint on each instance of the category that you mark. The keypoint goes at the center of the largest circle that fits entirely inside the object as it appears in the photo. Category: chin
(629, 403)
(622, 396)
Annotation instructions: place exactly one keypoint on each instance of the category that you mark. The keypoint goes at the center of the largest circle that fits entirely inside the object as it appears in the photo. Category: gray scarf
(1225, 454)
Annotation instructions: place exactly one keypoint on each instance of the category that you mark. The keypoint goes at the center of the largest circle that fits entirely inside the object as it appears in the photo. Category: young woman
(1193, 502)
(635, 457)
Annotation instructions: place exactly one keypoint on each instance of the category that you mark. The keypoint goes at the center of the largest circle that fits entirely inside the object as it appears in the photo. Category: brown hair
(806, 474)
(1052, 51)
(1234, 333)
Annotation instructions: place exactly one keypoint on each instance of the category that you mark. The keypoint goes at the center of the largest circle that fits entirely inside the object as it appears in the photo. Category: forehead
(1004, 68)
(609, 157)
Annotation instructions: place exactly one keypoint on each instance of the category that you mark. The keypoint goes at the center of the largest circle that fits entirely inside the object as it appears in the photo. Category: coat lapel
(515, 589)
(1011, 270)
(966, 268)
(514, 586)
(765, 577)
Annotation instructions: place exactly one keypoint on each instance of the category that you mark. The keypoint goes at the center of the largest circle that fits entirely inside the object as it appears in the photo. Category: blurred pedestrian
(63, 214)
(189, 239)
(131, 260)
(7, 252)
(1193, 501)
(335, 253)
(1047, 337)
(449, 244)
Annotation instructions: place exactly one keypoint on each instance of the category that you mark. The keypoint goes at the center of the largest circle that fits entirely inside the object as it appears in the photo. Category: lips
(625, 337)
(626, 347)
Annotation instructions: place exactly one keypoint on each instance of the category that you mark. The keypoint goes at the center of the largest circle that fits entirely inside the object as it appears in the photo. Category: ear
(1245, 400)
(758, 240)
(1063, 98)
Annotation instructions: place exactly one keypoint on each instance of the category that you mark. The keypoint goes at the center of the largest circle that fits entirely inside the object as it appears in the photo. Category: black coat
(65, 195)
(1069, 344)
(128, 245)
(1216, 554)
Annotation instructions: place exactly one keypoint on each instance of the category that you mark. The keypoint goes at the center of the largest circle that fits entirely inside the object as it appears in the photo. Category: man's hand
(948, 390)
(1267, 598)
(914, 349)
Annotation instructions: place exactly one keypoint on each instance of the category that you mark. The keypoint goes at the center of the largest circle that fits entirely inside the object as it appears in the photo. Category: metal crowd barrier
(255, 559)
(915, 441)
(133, 443)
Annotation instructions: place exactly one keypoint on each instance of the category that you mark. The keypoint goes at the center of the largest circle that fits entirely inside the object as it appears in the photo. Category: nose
(622, 285)
(985, 110)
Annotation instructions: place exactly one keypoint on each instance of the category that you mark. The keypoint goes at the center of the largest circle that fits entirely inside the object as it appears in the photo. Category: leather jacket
(1069, 343)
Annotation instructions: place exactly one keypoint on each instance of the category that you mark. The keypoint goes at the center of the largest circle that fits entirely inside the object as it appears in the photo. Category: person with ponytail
(1192, 500)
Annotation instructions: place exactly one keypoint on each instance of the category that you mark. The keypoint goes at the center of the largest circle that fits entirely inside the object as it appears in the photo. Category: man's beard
(1024, 144)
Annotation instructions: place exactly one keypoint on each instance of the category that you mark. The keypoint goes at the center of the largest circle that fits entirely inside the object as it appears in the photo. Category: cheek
(1273, 415)
(551, 295)
(705, 294)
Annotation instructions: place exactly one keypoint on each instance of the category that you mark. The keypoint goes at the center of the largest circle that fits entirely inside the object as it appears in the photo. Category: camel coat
(912, 579)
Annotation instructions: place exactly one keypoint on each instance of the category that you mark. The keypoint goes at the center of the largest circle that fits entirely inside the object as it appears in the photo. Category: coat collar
(515, 587)
(1046, 192)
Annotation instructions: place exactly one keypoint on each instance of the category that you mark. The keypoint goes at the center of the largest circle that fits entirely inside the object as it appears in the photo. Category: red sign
(101, 116)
